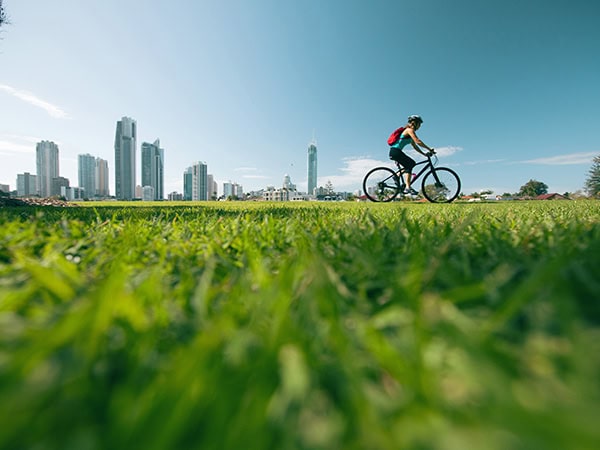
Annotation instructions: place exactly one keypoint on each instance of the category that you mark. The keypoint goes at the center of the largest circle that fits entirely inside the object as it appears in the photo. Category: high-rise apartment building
(232, 190)
(187, 184)
(153, 168)
(199, 181)
(211, 188)
(238, 190)
(87, 174)
(26, 185)
(102, 189)
(227, 189)
(312, 167)
(125, 147)
(58, 184)
(148, 194)
(47, 167)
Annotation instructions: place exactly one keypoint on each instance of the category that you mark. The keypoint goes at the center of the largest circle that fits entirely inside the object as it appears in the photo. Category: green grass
(304, 326)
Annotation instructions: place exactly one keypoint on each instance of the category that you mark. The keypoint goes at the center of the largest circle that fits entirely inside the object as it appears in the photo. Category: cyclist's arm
(416, 142)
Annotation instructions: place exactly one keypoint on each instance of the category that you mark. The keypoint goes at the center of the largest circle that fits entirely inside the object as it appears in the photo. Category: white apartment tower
(211, 184)
(102, 189)
(47, 166)
(26, 185)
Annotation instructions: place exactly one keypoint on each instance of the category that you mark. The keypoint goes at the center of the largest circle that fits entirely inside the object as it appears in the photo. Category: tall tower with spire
(312, 167)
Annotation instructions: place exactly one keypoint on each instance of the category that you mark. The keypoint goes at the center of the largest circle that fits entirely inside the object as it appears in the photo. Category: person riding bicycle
(409, 136)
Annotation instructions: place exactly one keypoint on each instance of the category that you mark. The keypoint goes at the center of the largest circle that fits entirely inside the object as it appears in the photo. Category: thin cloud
(28, 97)
(11, 144)
(483, 161)
(10, 148)
(564, 160)
(256, 177)
(447, 151)
(353, 172)
(251, 176)
(31, 139)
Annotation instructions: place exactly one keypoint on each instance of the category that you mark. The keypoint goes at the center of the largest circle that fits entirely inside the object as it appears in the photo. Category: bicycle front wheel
(441, 185)
(381, 185)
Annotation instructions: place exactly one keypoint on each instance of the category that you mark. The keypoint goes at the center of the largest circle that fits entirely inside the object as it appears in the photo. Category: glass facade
(312, 168)
(125, 145)
(87, 175)
(153, 168)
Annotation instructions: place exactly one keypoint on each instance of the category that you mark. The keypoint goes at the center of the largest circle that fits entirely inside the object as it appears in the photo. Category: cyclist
(409, 136)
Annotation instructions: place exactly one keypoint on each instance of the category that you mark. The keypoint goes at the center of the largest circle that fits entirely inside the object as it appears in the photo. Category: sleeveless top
(404, 140)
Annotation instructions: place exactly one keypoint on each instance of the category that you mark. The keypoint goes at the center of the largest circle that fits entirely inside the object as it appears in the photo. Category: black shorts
(406, 161)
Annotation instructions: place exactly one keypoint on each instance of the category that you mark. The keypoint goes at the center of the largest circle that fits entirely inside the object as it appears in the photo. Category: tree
(3, 17)
(592, 184)
(329, 188)
(533, 188)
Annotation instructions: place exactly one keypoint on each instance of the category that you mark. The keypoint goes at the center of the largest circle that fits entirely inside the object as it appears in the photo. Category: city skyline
(508, 91)
(93, 172)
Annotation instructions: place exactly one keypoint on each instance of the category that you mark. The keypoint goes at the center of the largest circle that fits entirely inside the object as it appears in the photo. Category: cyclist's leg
(408, 163)
(393, 154)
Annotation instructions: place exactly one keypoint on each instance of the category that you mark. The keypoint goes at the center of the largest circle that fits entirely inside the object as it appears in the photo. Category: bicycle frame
(427, 165)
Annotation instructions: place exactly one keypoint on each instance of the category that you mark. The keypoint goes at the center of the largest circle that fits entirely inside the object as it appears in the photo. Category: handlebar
(433, 158)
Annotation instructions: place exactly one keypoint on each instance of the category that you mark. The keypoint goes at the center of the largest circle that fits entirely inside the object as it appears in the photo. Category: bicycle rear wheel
(381, 184)
(441, 185)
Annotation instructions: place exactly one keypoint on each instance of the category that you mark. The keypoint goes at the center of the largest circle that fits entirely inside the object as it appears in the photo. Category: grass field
(304, 326)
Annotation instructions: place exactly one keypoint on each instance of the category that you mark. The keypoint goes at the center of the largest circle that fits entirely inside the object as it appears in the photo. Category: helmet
(415, 118)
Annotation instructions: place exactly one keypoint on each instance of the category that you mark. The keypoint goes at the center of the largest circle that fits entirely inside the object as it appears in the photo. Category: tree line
(534, 188)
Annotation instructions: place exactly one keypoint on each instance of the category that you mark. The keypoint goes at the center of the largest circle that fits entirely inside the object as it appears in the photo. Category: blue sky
(509, 91)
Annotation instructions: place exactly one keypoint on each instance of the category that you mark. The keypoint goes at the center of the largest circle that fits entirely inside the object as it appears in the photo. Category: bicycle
(439, 185)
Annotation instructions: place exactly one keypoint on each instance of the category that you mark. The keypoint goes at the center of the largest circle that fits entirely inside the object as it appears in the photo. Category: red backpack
(395, 136)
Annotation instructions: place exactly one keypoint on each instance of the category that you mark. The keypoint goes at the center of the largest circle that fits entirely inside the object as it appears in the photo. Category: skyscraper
(312, 167)
(125, 145)
(199, 181)
(87, 174)
(233, 190)
(58, 184)
(211, 187)
(153, 168)
(187, 184)
(26, 184)
(102, 178)
(47, 167)
(227, 189)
